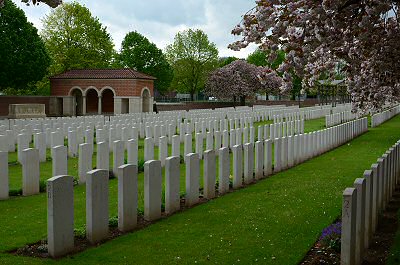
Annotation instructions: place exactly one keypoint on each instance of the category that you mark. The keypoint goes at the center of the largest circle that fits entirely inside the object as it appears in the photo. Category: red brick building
(101, 91)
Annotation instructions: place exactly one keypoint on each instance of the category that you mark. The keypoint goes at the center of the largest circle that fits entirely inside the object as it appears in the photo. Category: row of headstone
(85, 150)
(251, 162)
(338, 118)
(379, 118)
(292, 150)
(91, 122)
(364, 202)
(122, 127)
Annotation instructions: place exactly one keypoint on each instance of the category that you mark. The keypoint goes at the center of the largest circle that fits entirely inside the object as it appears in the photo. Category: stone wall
(5, 101)
(213, 104)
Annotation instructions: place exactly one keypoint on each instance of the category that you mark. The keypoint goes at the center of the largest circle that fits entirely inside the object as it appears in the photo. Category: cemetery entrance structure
(103, 91)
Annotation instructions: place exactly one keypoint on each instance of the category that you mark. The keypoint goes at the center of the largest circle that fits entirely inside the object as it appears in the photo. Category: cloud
(160, 20)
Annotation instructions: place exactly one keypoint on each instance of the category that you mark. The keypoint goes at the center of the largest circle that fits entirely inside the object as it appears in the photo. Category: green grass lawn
(275, 221)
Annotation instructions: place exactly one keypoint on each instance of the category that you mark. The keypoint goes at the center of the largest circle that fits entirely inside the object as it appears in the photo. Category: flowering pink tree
(236, 80)
(270, 80)
(315, 35)
(239, 80)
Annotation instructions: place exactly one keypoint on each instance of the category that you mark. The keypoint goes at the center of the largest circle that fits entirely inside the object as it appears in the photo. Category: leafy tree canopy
(260, 58)
(76, 39)
(23, 56)
(226, 60)
(192, 57)
(139, 53)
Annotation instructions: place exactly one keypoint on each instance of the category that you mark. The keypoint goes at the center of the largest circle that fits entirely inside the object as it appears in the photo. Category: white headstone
(127, 197)
(72, 144)
(103, 156)
(40, 144)
(59, 160)
(259, 157)
(148, 149)
(209, 174)
(209, 141)
(237, 166)
(187, 145)
(84, 161)
(30, 171)
(172, 184)
(118, 155)
(97, 205)
(4, 182)
(224, 170)
(163, 149)
(152, 190)
(60, 215)
(192, 179)
(199, 145)
(23, 143)
(360, 185)
(348, 237)
(248, 150)
(132, 147)
(175, 148)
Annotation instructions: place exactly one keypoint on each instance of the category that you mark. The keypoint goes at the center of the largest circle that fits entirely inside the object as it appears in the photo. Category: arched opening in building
(146, 100)
(92, 101)
(107, 101)
(77, 94)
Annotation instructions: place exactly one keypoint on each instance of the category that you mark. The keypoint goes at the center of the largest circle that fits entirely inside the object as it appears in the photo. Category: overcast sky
(160, 20)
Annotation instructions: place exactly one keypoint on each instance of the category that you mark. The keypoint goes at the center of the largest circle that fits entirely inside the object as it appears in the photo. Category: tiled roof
(124, 73)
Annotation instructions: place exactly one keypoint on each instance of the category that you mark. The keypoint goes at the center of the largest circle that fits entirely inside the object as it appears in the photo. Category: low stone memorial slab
(26, 111)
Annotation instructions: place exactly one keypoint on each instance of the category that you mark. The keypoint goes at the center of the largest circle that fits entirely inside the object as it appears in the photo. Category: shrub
(15, 192)
(111, 174)
(42, 186)
(80, 232)
(113, 221)
(330, 237)
(141, 165)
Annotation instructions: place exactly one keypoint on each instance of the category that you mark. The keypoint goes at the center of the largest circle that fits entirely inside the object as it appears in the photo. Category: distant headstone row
(379, 118)
(338, 118)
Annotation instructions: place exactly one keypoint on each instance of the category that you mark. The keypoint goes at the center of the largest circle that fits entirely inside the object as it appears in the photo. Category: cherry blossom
(317, 35)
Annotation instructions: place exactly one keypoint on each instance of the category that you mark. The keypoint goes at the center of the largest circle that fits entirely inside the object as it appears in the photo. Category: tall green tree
(223, 61)
(192, 57)
(139, 53)
(23, 56)
(260, 58)
(76, 39)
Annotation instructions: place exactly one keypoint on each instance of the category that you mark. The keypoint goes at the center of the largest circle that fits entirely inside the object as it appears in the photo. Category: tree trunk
(191, 96)
(299, 99)
(242, 100)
